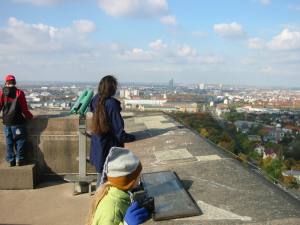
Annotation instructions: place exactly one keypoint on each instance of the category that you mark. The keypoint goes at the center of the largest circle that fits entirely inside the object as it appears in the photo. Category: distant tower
(135, 93)
(201, 86)
(278, 132)
(122, 93)
(127, 94)
(171, 83)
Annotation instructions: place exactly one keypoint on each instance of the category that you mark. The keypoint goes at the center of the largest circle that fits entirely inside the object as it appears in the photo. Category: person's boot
(12, 163)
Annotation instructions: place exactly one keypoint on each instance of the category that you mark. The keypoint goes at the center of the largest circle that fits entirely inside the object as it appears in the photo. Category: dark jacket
(14, 106)
(101, 144)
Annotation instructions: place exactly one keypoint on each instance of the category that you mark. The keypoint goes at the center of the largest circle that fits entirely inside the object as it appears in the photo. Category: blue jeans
(15, 138)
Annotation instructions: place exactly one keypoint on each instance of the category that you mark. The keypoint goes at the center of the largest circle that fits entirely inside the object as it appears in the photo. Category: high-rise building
(125, 93)
(135, 92)
(201, 86)
(171, 83)
(122, 93)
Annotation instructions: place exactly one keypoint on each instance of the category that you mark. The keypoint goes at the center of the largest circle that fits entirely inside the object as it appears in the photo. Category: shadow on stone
(35, 155)
(128, 117)
(187, 184)
(44, 183)
(144, 134)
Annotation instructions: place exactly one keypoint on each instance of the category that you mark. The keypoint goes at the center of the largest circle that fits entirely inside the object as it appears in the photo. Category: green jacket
(112, 208)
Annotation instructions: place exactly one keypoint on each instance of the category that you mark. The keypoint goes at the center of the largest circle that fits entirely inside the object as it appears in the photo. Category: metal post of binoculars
(82, 181)
(82, 146)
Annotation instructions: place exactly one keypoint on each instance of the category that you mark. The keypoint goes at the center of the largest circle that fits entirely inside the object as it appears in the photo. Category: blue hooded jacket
(101, 144)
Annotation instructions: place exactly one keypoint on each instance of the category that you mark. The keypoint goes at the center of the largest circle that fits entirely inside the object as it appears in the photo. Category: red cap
(10, 78)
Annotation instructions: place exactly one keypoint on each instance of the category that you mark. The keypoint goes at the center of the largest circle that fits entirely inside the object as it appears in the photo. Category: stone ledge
(17, 177)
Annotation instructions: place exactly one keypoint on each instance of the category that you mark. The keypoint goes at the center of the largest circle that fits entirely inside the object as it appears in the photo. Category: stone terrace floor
(226, 191)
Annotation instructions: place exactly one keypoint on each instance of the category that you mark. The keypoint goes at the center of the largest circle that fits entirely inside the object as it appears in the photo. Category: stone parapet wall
(52, 143)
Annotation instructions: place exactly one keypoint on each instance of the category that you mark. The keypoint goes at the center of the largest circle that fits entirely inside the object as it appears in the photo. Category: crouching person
(111, 204)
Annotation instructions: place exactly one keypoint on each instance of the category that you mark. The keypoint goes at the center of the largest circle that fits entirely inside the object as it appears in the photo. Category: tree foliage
(273, 167)
(294, 150)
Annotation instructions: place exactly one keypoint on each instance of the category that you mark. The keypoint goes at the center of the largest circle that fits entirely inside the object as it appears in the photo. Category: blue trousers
(15, 142)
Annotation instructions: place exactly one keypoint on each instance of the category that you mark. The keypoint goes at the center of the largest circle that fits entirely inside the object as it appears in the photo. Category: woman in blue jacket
(108, 124)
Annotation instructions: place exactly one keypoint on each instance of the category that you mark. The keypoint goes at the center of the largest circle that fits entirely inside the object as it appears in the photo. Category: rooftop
(227, 191)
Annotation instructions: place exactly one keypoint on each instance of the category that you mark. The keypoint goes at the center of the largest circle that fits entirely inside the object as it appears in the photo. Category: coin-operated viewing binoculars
(81, 105)
(82, 181)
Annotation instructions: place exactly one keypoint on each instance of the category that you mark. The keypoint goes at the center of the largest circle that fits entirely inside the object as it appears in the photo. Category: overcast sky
(255, 42)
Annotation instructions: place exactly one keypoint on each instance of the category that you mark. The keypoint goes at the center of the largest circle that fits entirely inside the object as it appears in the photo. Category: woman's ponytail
(107, 88)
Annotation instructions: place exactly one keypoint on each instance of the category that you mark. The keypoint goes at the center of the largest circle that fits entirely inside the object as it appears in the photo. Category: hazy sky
(193, 41)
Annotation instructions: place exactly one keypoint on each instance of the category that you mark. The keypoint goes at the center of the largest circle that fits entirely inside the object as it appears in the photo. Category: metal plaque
(171, 200)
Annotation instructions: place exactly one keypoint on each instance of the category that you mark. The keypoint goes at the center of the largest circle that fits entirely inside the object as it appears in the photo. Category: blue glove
(136, 215)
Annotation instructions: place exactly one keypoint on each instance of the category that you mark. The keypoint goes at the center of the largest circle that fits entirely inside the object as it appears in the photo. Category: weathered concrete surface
(226, 191)
(49, 204)
(17, 178)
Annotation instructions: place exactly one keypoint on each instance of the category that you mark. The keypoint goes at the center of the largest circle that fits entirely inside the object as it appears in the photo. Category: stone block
(17, 177)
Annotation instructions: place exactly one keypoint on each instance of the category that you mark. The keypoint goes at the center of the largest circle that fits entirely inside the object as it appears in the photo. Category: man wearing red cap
(15, 112)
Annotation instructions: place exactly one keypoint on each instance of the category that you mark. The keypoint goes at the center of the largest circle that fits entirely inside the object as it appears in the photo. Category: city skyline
(256, 42)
